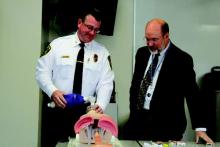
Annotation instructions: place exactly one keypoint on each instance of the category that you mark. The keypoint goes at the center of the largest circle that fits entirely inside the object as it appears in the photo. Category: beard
(152, 48)
(156, 48)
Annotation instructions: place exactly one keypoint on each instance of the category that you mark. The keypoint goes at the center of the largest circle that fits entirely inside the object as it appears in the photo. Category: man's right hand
(58, 98)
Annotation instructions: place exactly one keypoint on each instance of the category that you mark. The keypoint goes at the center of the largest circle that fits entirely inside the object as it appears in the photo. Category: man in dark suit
(159, 114)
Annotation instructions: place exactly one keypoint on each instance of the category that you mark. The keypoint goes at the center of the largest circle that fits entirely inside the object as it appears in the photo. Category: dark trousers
(142, 125)
(58, 124)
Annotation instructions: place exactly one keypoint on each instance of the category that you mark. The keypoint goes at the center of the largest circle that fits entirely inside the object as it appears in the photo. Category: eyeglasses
(91, 28)
(151, 40)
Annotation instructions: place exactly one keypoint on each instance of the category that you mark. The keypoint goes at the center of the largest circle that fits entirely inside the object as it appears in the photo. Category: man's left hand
(97, 108)
(204, 136)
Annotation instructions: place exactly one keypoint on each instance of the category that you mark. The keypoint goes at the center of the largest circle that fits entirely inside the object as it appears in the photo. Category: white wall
(20, 43)
(120, 46)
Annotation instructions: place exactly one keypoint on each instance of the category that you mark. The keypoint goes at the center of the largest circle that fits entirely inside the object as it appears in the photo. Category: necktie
(77, 85)
(146, 82)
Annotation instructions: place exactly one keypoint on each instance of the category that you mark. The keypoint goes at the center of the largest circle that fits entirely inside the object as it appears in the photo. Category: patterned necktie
(77, 85)
(146, 82)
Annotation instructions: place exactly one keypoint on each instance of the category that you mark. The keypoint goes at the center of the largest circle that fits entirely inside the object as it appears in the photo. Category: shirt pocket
(65, 68)
(93, 66)
(92, 72)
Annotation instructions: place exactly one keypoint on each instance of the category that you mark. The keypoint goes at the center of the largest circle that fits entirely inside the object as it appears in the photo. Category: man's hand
(204, 136)
(58, 98)
(96, 108)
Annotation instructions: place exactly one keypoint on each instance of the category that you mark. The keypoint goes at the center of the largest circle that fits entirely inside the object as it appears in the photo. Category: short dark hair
(96, 13)
(165, 28)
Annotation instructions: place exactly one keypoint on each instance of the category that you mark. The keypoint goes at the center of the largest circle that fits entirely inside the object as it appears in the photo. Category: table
(129, 143)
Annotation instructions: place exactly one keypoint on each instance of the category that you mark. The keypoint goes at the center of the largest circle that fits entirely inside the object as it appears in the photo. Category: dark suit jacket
(176, 81)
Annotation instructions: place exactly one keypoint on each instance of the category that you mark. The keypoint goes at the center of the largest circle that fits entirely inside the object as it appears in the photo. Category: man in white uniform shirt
(55, 76)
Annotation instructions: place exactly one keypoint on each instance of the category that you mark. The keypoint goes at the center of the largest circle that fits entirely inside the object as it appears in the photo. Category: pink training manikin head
(91, 123)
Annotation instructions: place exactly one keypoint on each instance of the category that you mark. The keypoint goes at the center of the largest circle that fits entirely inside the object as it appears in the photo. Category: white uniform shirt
(56, 69)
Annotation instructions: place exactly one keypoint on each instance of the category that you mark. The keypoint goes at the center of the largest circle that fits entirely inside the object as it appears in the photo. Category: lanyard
(160, 61)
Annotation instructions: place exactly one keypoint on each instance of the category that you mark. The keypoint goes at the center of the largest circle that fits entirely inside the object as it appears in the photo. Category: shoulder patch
(110, 62)
(46, 50)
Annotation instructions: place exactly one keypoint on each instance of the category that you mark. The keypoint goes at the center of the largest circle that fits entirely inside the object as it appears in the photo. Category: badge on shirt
(48, 48)
(95, 58)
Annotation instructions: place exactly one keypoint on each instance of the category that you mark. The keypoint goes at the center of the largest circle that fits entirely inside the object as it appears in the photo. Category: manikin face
(88, 29)
(93, 125)
(155, 40)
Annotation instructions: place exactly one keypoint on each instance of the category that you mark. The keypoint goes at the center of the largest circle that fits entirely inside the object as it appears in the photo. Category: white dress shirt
(151, 87)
